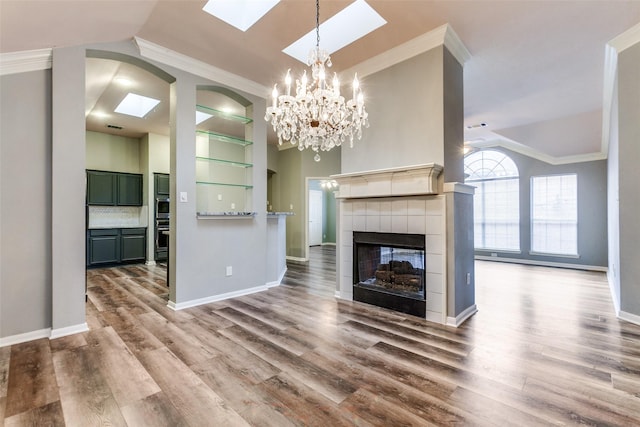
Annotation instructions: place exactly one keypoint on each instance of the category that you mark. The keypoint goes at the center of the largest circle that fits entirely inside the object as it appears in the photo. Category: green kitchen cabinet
(133, 244)
(101, 188)
(103, 246)
(161, 186)
(114, 188)
(129, 189)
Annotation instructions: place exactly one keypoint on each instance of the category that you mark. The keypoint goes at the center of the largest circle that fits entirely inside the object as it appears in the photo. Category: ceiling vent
(115, 127)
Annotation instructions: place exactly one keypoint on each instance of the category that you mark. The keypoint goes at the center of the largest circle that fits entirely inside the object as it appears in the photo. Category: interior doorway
(321, 215)
(316, 211)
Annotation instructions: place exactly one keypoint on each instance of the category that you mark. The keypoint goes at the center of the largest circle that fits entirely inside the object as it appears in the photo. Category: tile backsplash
(117, 216)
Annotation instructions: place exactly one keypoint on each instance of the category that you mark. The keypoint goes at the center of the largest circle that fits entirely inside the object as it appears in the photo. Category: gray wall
(43, 195)
(628, 171)
(416, 115)
(25, 202)
(294, 167)
(592, 210)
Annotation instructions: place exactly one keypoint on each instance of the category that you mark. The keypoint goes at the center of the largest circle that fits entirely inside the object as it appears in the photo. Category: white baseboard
(328, 244)
(27, 336)
(277, 282)
(462, 317)
(150, 263)
(629, 317)
(297, 259)
(214, 298)
(542, 263)
(69, 330)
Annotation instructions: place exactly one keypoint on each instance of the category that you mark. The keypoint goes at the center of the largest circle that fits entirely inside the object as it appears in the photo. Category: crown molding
(191, 65)
(25, 61)
(626, 39)
(536, 154)
(612, 50)
(441, 36)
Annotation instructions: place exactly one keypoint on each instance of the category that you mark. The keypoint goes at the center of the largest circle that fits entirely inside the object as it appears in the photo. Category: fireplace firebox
(388, 271)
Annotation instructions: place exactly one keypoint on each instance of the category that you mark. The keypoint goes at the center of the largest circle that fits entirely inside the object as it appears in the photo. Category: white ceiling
(535, 75)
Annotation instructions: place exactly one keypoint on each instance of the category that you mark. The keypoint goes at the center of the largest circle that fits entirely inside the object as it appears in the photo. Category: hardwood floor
(544, 349)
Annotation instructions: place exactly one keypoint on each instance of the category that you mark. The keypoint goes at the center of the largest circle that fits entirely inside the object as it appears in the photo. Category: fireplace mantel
(405, 181)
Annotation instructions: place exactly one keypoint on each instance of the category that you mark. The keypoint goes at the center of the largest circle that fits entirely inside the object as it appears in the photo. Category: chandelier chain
(317, 24)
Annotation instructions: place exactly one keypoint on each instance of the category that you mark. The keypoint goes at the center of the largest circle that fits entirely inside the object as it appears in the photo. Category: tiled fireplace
(409, 201)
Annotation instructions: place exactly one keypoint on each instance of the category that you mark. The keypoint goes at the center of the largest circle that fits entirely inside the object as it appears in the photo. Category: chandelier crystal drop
(317, 116)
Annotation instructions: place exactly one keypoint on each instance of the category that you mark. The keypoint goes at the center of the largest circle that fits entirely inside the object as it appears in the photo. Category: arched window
(496, 211)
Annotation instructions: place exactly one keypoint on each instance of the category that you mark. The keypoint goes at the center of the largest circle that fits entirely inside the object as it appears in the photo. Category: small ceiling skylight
(353, 22)
(136, 105)
(242, 14)
(201, 117)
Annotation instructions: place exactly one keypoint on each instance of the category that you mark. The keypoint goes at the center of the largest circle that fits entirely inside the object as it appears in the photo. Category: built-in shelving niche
(224, 155)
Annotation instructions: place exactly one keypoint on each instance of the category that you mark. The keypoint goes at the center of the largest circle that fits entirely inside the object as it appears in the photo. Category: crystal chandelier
(317, 117)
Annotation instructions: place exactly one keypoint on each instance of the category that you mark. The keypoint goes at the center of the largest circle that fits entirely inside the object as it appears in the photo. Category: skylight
(242, 14)
(201, 117)
(136, 105)
(353, 22)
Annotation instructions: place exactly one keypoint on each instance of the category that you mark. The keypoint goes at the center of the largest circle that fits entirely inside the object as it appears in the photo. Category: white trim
(626, 39)
(69, 330)
(27, 336)
(191, 65)
(542, 263)
(612, 49)
(25, 61)
(328, 244)
(150, 263)
(443, 35)
(462, 317)
(535, 154)
(338, 294)
(214, 298)
(458, 187)
(277, 282)
(612, 289)
(629, 317)
(297, 259)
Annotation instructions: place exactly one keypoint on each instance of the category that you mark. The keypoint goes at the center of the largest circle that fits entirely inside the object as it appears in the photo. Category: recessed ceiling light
(136, 105)
(99, 114)
(351, 23)
(201, 117)
(242, 14)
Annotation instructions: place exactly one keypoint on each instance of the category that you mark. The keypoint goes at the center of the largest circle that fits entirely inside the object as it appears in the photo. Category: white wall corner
(612, 50)
(25, 61)
(455, 45)
(69, 330)
(27, 336)
(214, 298)
(629, 317)
(278, 281)
(612, 289)
(191, 65)
(462, 317)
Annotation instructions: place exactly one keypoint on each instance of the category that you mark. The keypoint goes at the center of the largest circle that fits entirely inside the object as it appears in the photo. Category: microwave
(162, 207)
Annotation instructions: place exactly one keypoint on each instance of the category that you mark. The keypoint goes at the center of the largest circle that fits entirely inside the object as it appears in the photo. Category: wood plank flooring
(544, 349)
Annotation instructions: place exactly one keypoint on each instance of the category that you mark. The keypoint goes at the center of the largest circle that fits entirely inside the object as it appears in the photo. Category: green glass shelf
(223, 115)
(246, 187)
(225, 138)
(226, 162)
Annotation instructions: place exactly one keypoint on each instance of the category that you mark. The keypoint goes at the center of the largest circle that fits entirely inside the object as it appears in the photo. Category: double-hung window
(554, 214)
(496, 204)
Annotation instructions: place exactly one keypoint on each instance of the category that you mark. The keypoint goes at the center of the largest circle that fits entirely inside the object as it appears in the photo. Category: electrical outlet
(290, 207)
(494, 254)
(219, 196)
(229, 271)
(233, 205)
(468, 278)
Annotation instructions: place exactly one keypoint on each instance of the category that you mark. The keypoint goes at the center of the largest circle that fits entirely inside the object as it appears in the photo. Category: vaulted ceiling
(535, 75)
